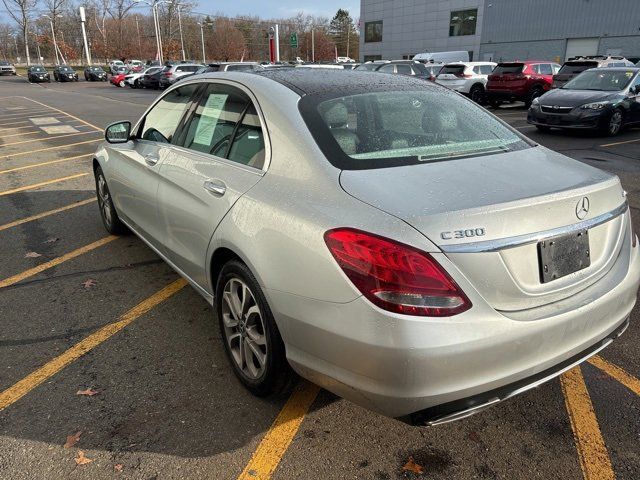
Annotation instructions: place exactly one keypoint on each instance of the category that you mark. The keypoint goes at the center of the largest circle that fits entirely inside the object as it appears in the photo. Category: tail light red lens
(394, 276)
(167, 74)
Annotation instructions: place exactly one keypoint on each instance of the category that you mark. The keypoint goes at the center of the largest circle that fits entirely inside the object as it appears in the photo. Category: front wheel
(249, 332)
(534, 93)
(614, 124)
(108, 212)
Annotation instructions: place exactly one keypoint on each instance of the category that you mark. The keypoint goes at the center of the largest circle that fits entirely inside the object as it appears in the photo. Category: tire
(86, 79)
(108, 212)
(495, 103)
(253, 329)
(615, 122)
(534, 93)
(477, 94)
(543, 128)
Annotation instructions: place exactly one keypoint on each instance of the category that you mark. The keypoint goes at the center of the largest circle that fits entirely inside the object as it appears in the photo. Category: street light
(156, 24)
(202, 24)
(53, 34)
(184, 57)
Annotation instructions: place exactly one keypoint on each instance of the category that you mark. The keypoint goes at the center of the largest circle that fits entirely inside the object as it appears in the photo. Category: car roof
(309, 81)
(617, 69)
(470, 64)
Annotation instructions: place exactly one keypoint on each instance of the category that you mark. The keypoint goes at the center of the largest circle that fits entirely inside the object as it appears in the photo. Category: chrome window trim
(517, 241)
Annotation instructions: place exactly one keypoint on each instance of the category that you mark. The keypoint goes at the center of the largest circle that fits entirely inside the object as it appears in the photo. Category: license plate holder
(563, 255)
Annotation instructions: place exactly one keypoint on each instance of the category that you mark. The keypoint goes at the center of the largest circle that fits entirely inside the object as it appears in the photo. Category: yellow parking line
(57, 147)
(620, 143)
(48, 138)
(65, 113)
(46, 214)
(49, 369)
(267, 456)
(42, 164)
(592, 452)
(626, 379)
(42, 184)
(56, 261)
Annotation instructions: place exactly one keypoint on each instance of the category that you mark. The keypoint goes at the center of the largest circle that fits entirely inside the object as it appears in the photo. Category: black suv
(37, 74)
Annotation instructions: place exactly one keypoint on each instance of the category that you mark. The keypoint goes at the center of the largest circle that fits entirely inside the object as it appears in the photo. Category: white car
(113, 66)
(345, 60)
(469, 78)
(132, 79)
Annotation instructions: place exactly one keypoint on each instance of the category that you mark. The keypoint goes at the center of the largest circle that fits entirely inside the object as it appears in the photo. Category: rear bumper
(423, 370)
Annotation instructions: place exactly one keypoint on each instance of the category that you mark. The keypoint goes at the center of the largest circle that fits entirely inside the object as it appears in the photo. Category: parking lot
(104, 350)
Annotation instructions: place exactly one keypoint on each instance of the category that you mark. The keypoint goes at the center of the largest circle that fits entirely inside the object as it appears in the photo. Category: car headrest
(337, 115)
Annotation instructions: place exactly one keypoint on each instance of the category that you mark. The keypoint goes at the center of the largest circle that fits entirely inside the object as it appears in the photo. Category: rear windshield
(601, 80)
(241, 68)
(576, 67)
(454, 69)
(506, 68)
(402, 127)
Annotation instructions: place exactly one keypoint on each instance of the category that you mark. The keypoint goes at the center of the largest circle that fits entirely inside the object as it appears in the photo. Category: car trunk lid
(496, 200)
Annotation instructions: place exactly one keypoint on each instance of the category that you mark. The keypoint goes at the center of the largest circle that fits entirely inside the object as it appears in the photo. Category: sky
(278, 8)
(262, 8)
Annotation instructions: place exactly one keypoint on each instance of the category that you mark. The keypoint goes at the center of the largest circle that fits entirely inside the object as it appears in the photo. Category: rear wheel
(249, 332)
(495, 103)
(477, 94)
(108, 212)
(614, 123)
(534, 93)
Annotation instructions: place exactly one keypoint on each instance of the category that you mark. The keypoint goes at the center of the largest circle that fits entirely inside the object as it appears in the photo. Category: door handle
(216, 187)
(151, 159)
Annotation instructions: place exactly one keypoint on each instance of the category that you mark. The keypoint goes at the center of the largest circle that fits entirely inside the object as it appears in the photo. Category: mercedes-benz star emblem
(582, 208)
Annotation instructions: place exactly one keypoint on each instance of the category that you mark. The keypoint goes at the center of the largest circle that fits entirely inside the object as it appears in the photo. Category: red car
(118, 80)
(519, 81)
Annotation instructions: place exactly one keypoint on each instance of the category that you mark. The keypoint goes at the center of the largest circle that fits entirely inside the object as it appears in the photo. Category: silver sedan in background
(381, 236)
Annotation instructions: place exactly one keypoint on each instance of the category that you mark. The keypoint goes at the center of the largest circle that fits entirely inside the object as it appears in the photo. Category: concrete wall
(543, 27)
(415, 26)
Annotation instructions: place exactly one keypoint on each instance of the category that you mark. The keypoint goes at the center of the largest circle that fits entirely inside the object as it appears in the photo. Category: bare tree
(118, 10)
(54, 8)
(20, 11)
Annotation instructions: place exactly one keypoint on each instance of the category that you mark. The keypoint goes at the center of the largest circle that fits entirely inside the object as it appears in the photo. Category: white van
(442, 57)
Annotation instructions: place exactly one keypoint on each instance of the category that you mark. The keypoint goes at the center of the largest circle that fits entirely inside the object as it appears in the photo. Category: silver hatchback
(381, 236)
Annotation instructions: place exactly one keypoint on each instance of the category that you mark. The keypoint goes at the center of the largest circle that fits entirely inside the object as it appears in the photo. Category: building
(500, 29)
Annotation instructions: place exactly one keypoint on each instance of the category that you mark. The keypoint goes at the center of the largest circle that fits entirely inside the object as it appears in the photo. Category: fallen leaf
(412, 466)
(90, 282)
(81, 459)
(72, 440)
(32, 255)
(88, 392)
(118, 467)
(51, 240)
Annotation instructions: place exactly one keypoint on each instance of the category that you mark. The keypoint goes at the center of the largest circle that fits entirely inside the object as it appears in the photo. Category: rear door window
(404, 69)
(545, 69)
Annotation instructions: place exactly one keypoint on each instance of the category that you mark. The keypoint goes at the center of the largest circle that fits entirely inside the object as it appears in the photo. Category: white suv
(469, 78)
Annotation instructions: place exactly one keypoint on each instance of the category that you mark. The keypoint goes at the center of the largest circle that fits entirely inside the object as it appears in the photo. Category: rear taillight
(167, 74)
(394, 276)
(462, 75)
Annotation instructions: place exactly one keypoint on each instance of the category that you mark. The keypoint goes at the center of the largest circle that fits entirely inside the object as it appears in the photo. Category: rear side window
(508, 68)
(486, 69)
(163, 119)
(419, 69)
(387, 69)
(226, 124)
(240, 68)
(545, 69)
(404, 69)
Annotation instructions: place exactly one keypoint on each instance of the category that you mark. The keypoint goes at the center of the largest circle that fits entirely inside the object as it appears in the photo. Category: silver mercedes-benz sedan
(381, 236)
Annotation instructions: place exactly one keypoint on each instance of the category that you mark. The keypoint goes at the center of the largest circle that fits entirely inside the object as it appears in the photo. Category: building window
(373, 31)
(463, 22)
(372, 58)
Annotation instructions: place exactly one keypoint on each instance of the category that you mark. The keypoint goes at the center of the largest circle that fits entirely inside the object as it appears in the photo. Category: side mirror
(119, 132)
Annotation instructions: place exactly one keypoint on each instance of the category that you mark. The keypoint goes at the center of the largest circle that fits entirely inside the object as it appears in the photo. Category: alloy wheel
(244, 328)
(615, 122)
(104, 201)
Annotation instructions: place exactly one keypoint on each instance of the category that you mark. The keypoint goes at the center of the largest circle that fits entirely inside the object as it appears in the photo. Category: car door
(133, 175)
(219, 156)
(634, 100)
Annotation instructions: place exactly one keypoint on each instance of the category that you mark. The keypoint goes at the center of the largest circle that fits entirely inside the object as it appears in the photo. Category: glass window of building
(373, 31)
(463, 22)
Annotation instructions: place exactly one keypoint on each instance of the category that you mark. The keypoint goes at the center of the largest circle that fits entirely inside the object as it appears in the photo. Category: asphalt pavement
(111, 367)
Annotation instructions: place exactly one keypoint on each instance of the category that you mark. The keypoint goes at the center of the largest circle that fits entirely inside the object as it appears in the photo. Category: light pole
(202, 24)
(184, 57)
(156, 24)
(15, 40)
(53, 35)
(84, 35)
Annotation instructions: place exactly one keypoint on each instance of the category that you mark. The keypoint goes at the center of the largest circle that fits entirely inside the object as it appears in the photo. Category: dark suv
(519, 81)
(64, 73)
(576, 65)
